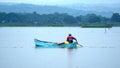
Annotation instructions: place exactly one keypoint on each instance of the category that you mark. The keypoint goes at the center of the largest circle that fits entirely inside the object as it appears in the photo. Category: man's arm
(75, 39)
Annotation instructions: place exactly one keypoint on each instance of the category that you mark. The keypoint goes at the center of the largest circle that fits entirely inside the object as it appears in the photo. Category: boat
(46, 44)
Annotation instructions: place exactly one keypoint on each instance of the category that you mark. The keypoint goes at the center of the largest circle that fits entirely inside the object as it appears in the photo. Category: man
(70, 38)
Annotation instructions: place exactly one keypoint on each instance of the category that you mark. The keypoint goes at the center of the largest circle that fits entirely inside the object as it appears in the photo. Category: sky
(62, 2)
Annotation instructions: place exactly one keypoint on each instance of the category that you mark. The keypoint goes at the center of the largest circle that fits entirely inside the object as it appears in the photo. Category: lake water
(101, 48)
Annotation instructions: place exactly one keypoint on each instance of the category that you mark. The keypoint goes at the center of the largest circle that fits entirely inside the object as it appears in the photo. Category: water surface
(101, 48)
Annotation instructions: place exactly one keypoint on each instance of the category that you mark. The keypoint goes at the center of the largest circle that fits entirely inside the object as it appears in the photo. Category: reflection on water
(70, 53)
(59, 58)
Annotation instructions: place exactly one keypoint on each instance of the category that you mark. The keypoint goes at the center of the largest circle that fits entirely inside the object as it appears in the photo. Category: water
(101, 48)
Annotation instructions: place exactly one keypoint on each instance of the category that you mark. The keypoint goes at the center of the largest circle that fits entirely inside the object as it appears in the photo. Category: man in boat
(69, 40)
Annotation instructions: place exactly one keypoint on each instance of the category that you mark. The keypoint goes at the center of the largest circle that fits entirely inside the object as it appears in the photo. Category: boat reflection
(70, 56)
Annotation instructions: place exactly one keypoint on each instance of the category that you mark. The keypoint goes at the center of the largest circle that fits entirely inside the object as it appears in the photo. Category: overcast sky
(62, 2)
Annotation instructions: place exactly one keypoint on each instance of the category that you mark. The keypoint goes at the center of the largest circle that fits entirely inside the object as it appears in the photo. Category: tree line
(57, 19)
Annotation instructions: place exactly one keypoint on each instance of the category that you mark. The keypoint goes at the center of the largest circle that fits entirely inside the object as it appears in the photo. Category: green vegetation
(96, 26)
(57, 19)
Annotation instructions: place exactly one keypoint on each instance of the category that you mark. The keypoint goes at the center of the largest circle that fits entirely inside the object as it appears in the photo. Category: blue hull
(45, 44)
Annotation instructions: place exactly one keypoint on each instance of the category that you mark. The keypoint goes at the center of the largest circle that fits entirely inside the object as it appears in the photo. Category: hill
(74, 10)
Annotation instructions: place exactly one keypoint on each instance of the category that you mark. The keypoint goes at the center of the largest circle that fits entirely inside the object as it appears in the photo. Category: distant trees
(92, 19)
(55, 19)
(115, 17)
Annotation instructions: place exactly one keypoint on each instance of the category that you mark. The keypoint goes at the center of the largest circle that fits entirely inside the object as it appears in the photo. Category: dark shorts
(70, 41)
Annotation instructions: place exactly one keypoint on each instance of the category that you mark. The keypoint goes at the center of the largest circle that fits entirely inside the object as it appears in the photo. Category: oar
(80, 45)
